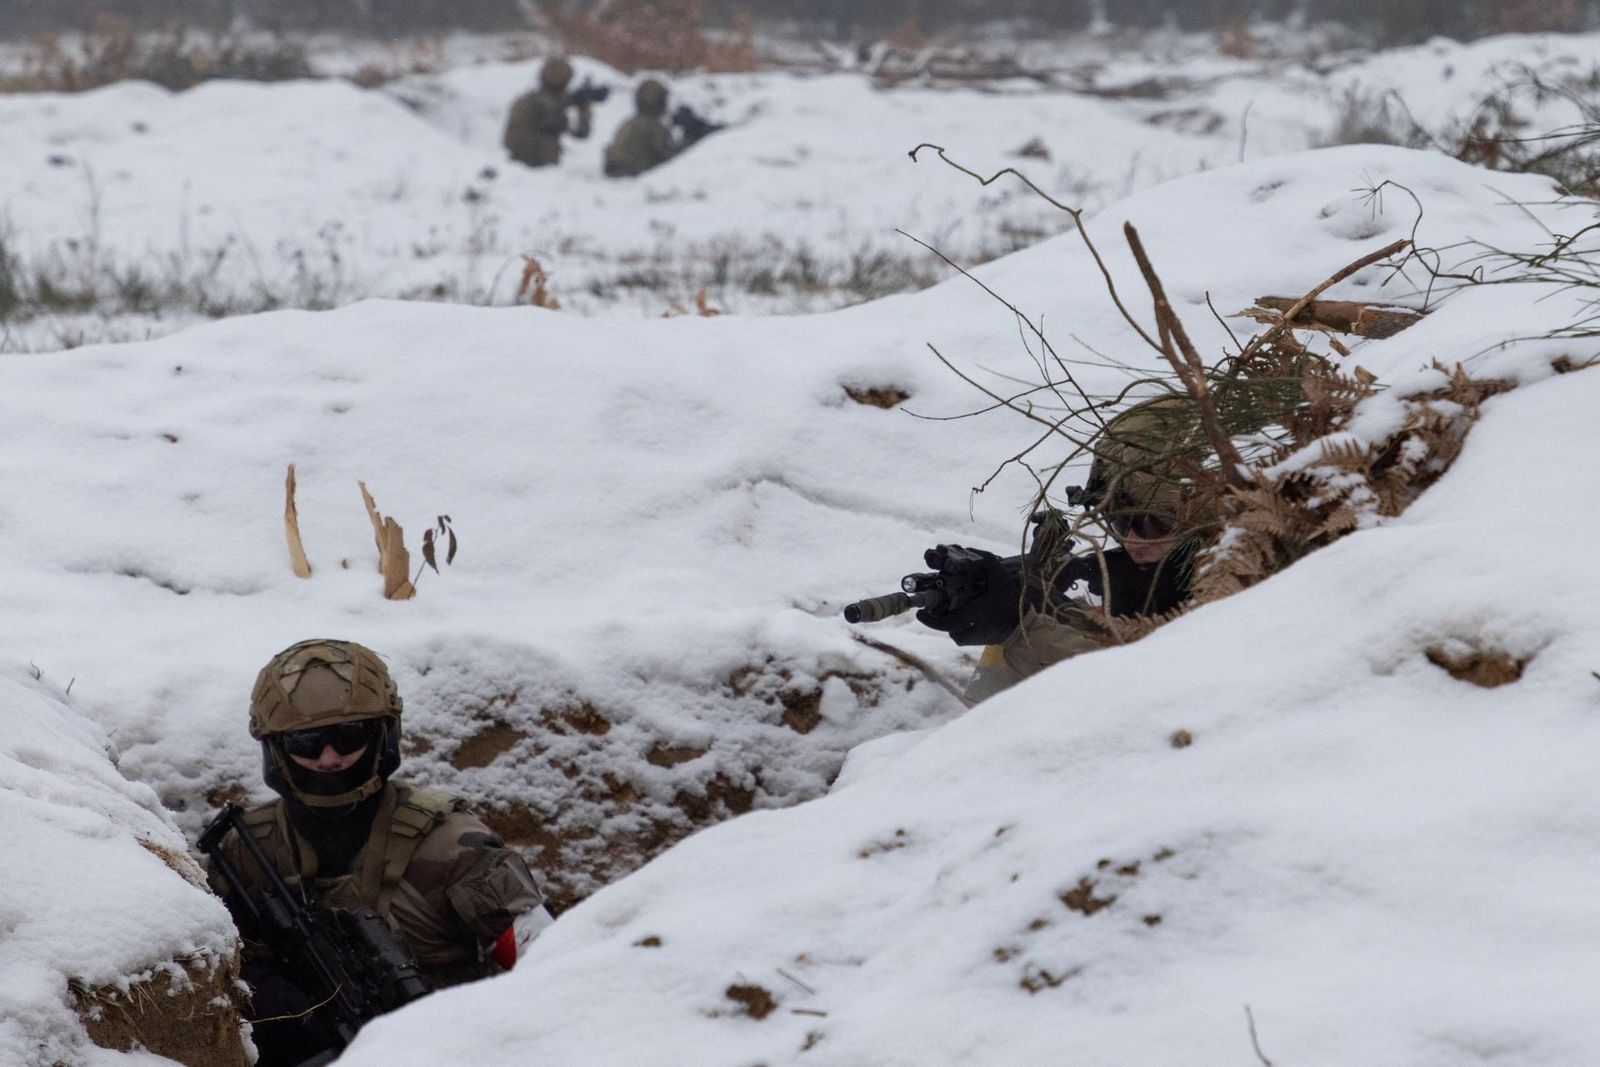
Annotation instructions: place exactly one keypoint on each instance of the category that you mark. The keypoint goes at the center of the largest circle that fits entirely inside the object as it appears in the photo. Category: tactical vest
(405, 816)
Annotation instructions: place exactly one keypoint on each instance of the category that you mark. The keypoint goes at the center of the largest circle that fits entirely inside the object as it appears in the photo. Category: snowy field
(139, 210)
(659, 522)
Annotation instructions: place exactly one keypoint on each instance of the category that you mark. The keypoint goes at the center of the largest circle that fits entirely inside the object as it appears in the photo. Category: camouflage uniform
(644, 141)
(539, 118)
(1135, 472)
(446, 884)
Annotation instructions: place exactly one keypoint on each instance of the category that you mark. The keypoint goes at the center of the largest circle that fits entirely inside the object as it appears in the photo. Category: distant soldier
(539, 118)
(344, 836)
(647, 140)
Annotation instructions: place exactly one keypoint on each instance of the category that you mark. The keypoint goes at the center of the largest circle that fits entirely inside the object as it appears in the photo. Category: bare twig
(1333, 279)
(1190, 370)
(796, 981)
(1254, 1041)
(1077, 220)
(918, 663)
(1037, 331)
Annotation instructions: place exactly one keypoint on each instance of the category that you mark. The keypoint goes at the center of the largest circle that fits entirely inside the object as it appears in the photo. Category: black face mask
(332, 783)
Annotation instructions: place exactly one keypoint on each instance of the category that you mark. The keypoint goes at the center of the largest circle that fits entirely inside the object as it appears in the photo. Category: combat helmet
(555, 74)
(325, 682)
(650, 97)
(1140, 460)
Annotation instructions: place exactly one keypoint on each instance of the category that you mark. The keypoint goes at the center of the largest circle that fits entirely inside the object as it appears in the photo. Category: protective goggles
(345, 737)
(1146, 526)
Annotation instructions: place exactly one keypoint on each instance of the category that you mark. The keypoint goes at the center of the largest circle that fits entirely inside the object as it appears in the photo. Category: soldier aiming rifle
(646, 140)
(1044, 606)
(538, 119)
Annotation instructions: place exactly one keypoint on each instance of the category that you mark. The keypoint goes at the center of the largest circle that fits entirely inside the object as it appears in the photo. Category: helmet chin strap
(348, 798)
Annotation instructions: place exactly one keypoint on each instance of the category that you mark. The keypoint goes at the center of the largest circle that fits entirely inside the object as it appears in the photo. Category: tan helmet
(1140, 460)
(324, 682)
(650, 97)
(555, 74)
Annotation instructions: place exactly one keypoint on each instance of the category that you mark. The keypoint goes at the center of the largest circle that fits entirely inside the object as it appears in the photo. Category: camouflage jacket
(643, 142)
(535, 125)
(442, 880)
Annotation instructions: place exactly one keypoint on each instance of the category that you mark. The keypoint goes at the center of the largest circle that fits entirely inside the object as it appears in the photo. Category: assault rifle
(347, 962)
(691, 126)
(587, 93)
(960, 576)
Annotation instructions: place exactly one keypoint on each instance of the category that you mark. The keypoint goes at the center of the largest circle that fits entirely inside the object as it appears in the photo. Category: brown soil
(197, 1025)
(758, 1003)
(1482, 667)
(486, 746)
(882, 396)
(670, 756)
(1081, 898)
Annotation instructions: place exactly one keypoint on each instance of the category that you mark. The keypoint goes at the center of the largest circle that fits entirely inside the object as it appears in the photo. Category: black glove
(980, 601)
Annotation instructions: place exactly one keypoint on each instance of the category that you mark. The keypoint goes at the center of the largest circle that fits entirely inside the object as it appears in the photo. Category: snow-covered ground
(659, 521)
(145, 210)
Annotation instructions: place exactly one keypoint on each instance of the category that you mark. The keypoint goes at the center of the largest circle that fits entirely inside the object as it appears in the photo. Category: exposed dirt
(194, 1022)
(756, 1002)
(1482, 667)
(486, 746)
(569, 859)
(1080, 898)
(880, 396)
(662, 755)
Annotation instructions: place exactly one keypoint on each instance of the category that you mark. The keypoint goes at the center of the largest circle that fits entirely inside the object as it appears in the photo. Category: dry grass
(177, 58)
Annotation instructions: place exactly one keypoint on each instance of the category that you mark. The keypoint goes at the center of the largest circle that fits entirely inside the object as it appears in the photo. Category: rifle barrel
(878, 608)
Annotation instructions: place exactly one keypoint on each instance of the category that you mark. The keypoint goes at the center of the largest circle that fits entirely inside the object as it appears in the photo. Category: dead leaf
(291, 529)
(394, 562)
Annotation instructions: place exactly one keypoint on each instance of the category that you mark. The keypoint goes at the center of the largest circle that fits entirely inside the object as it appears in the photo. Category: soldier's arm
(581, 128)
(1043, 639)
(662, 145)
(490, 886)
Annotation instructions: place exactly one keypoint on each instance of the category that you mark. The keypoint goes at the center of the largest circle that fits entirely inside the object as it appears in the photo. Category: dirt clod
(1080, 898)
(757, 1002)
(1487, 668)
(880, 396)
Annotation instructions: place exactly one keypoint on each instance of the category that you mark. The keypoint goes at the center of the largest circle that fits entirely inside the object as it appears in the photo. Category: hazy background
(1393, 22)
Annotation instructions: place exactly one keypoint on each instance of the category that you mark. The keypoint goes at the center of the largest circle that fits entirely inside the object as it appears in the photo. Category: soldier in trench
(347, 835)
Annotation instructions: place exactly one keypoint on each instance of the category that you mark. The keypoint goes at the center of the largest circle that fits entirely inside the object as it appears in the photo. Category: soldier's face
(1146, 538)
(330, 759)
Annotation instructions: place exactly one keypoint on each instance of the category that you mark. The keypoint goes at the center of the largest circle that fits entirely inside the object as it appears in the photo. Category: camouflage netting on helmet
(319, 683)
(1146, 461)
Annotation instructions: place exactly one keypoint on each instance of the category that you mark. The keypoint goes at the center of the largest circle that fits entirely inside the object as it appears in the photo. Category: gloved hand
(982, 597)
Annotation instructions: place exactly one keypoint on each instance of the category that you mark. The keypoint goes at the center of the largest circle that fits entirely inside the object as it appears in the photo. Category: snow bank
(98, 890)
